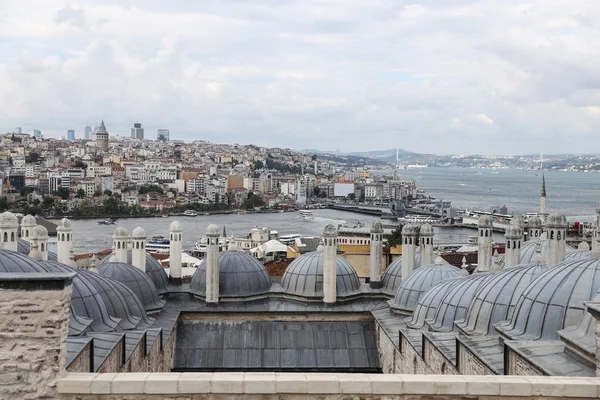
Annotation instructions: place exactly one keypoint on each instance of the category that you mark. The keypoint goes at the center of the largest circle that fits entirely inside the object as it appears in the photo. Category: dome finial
(538, 259)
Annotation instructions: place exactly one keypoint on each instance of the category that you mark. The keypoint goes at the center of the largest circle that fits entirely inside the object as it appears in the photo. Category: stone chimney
(8, 231)
(556, 226)
(329, 265)
(596, 238)
(484, 243)
(33, 245)
(120, 238)
(376, 255)
(514, 239)
(212, 265)
(409, 248)
(27, 224)
(175, 250)
(534, 228)
(426, 245)
(64, 243)
(41, 234)
(138, 248)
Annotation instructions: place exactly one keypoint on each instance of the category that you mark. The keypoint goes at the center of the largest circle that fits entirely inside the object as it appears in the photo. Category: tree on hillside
(63, 193)
(395, 238)
(80, 193)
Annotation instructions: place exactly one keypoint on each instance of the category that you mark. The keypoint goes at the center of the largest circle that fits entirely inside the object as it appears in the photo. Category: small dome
(240, 275)
(497, 298)
(120, 233)
(518, 221)
(28, 221)
(534, 222)
(392, 277)
(136, 280)
(24, 248)
(556, 219)
(418, 283)
(428, 303)
(426, 229)
(513, 232)
(330, 230)
(138, 233)
(377, 227)
(304, 277)
(454, 305)
(12, 261)
(175, 227)
(410, 229)
(578, 255)
(153, 269)
(554, 301)
(212, 230)
(41, 231)
(64, 224)
(8, 220)
(484, 221)
(583, 246)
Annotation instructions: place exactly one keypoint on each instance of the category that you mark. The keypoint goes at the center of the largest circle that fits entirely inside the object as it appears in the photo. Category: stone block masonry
(34, 323)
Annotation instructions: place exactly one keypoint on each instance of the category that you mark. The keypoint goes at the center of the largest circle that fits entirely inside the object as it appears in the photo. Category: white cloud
(308, 73)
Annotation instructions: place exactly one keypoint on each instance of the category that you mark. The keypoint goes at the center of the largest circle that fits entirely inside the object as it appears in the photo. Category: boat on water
(107, 221)
(290, 239)
(306, 214)
(158, 244)
(190, 213)
(418, 219)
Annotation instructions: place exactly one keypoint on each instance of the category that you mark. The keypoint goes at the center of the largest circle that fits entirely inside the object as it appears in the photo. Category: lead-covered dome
(554, 301)
(13, 261)
(528, 252)
(240, 275)
(304, 277)
(428, 304)
(418, 282)
(556, 219)
(153, 269)
(24, 248)
(497, 298)
(136, 280)
(392, 277)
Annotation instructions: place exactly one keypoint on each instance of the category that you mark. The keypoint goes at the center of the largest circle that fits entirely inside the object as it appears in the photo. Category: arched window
(12, 236)
(552, 234)
(486, 233)
(508, 244)
(119, 245)
(27, 233)
(42, 246)
(5, 236)
(481, 233)
(558, 235)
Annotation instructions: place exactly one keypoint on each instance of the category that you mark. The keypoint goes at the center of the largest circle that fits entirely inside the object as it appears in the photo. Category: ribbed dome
(137, 281)
(455, 303)
(175, 227)
(392, 277)
(513, 231)
(304, 277)
(153, 269)
(556, 219)
(496, 299)
(578, 255)
(518, 221)
(534, 222)
(428, 304)
(554, 301)
(212, 230)
(138, 232)
(24, 248)
(8, 220)
(13, 261)
(120, 232)
(28, 221)
(484, 221)
(426, 229)
(418, 282)
(240, 275)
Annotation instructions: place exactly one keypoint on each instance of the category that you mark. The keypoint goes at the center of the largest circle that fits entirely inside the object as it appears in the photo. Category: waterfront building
(137, 132)
(102, 137)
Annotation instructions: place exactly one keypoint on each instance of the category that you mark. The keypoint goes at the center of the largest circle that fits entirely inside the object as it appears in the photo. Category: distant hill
(370, 154)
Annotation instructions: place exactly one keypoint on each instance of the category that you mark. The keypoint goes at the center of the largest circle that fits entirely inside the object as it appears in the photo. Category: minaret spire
(543, 185)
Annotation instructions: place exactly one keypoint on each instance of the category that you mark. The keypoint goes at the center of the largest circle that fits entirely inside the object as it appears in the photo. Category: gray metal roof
(455, 303)
(153, 269)
(240, 275)
(428, 304)
(304, 276)
(554, 301)
(24, 248)
(550, 357)
(392, 277)
(78, 325)
(12, 261)
(497, 298)
(276, 346)
(418, 282)
(528, 251)
(136, 280)
(578, 255)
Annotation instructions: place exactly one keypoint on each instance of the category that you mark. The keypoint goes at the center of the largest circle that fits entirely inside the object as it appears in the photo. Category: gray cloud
(436, 76)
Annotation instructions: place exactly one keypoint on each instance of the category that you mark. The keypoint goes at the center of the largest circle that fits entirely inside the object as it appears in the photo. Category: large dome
(13, 261)
(136, 280)
(428, 304)
(497, 298)
(240, 275)
(153, 269)
(392, 277)
(418, 283)
(24, 248)
(554, 301)
(304, 277)
(455, 303)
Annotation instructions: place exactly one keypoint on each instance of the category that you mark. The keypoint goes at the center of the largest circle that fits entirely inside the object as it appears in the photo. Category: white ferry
(306, 214)
(190, 213)
(289, 240)
(158, 244)
(418, 219)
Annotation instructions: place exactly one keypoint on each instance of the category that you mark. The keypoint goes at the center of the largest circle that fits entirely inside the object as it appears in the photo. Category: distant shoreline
(200, 214)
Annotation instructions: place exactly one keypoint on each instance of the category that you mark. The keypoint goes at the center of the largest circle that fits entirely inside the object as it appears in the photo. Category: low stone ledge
(364, 386)
(32, 281)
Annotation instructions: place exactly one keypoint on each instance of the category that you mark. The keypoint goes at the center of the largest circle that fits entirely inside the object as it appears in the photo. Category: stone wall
(137, 362)
(517, 365)
(469, 364)
(389, 355)
(82, 363)
(436, 362)
(34, 323)
(411, 361)
(114, 362)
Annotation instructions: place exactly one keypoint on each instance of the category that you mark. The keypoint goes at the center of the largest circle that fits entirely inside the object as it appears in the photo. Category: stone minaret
(484, 244)
(596, 238)
(212, 265)
(27, 224)
(329, 265)
(426, 246)
(120, 238)
(514, 239)
(8, 230)
(409, 248)
(534, 228)
(41, 234)
(175, 250)
(543, 213)
(556, 225)
(138, 248)
(376, 256)
(64, 243)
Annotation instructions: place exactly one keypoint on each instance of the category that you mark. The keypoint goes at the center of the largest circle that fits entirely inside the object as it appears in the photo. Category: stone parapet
(134, 386)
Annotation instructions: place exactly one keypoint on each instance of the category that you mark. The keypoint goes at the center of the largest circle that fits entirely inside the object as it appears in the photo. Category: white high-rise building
(88, 132)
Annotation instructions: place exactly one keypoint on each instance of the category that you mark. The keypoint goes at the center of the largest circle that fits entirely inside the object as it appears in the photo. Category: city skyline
(494, 78)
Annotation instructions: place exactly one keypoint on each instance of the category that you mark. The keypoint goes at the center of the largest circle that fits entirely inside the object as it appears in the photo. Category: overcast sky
(443, 76)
